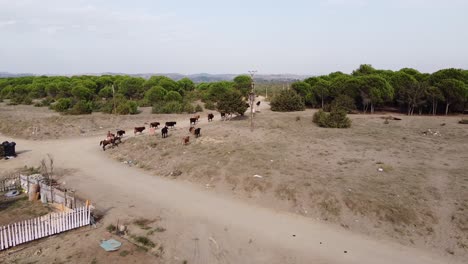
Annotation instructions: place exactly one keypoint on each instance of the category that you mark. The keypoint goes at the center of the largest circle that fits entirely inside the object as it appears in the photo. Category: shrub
(188, 108)
(127, 108)
(335, 119)
(168, 108)
(210, 105)
(81, 108)
(198, 108)
(344, 102)
(173, 96)
(287, 101)
(319, 117)
(232, 102)
(62, 105)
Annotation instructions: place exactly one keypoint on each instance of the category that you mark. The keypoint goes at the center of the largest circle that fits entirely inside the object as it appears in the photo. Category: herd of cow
(115, 139)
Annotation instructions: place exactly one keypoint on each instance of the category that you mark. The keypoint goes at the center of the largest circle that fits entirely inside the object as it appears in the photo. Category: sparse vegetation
(335, 119)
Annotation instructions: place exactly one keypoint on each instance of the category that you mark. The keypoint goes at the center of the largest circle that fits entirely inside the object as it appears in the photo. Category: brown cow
(138, 130)
(154, 124)
(186, 140)
(191, 129)
(210, 117)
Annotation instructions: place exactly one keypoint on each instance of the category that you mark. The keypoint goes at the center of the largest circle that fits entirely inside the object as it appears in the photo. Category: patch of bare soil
(385, 179)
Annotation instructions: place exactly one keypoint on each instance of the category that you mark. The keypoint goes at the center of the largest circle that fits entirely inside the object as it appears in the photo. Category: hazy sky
(215, 36)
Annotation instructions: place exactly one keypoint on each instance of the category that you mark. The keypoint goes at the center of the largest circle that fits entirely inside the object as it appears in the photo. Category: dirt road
(229, 231)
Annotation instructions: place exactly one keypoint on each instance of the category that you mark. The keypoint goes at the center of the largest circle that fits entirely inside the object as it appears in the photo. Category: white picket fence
(43, 226)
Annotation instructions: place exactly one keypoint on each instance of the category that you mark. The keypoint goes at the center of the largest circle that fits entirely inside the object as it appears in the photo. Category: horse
(210, 117)
(164, 132)
(106, 142)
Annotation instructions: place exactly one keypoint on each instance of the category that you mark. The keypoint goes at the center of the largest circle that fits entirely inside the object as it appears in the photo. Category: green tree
(287, 101)
(105, 92)
(81, 93)
(173, 96)
(155, 94)
(435, 96)
(52, 89)
(453, 91)
(301, 88)
(131, 87)
(407, 89)
(374, 90)
(321, 89)
(243, 83)
(186, 84)
(364, 69)
(232, 102)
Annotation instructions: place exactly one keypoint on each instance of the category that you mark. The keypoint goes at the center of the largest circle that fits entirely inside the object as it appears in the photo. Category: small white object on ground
(380, 169)
(258, 176)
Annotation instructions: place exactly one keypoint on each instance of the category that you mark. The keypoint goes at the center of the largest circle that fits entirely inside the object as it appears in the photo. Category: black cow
(138, 129)
(120, 133)
(164, 132)
(171, 124)
(154, 124)
(197, 132)
(210, 117)
(258, 103)
(193, 121)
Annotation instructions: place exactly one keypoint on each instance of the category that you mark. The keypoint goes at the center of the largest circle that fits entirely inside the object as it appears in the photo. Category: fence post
(1, 238)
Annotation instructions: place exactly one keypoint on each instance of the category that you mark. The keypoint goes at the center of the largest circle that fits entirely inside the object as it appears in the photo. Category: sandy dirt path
(115, 187)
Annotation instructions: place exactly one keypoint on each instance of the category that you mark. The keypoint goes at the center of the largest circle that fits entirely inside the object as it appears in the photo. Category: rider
(109, 135)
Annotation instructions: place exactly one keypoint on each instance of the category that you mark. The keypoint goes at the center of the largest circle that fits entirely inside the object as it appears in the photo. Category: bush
(168, 108)
(198, 108)
(173, 96)
(287, 101)
(188, 108)
(335, 119)
(62, 105)
(232, 102)
(127, 108)
(343, 102)
(81, 108)
(210, 105)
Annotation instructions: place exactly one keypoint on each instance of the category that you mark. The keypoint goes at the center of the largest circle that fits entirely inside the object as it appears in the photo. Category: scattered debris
(432, 133)
(380, 169)
(110, 245)
(443, 124)
(12, 193)
(258, 176)
(345, 251)
(175, 173)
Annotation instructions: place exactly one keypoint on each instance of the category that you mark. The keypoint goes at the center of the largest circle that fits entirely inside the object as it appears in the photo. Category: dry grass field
(387, 180)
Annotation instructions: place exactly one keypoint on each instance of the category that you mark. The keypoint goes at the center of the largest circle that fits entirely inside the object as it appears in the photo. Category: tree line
(406, 90)
(123, 94)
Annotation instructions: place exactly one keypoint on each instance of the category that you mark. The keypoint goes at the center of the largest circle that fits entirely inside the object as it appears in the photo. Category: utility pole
(113, 100)
(252, 99)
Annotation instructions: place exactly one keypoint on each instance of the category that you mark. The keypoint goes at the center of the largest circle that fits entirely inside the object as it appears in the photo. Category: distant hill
(197, 78)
